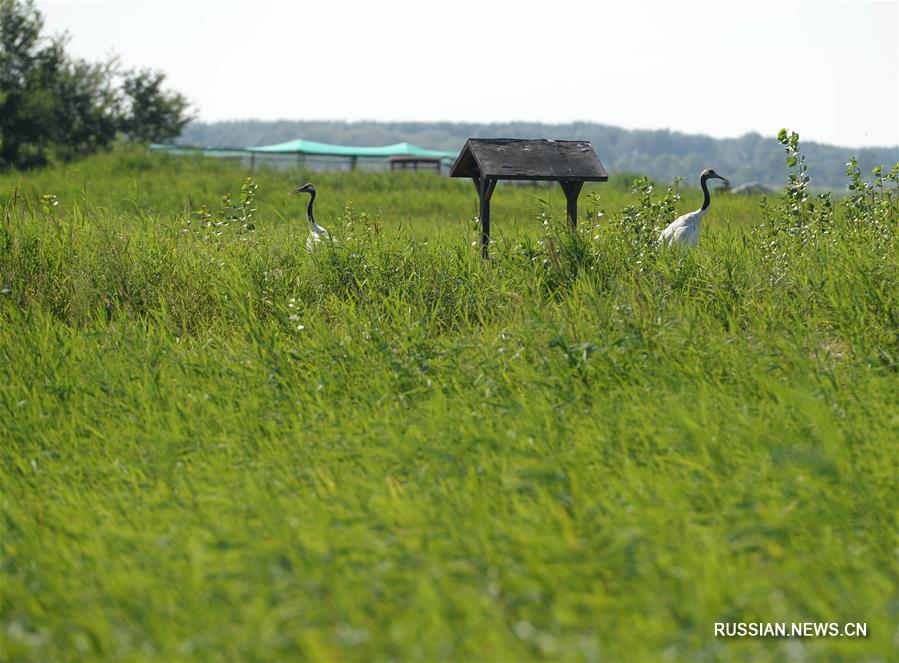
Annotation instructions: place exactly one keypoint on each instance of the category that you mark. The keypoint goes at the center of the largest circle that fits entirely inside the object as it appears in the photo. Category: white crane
(316, 232)
(685, 229)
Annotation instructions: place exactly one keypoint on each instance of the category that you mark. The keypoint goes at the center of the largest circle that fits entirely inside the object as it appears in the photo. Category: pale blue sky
(825, 69)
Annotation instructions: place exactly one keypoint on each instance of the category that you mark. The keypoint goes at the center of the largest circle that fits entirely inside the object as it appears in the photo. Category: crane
(685, 229)
(316, 232)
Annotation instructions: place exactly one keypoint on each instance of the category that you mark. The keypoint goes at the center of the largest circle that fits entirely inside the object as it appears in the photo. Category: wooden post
(353, 161)
(572, 191)
(485, 187)
(252, 161)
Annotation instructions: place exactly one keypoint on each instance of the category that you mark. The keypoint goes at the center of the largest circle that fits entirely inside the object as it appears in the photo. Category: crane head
(306, 188)
(708, 173)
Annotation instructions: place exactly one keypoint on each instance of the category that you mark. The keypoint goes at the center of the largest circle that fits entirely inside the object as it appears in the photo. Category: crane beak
(723, 179)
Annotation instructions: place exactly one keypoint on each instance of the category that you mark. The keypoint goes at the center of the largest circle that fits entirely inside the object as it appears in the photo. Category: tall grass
(218, 445)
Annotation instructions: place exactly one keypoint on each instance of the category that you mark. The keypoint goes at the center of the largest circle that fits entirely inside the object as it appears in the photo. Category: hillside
(660, 154)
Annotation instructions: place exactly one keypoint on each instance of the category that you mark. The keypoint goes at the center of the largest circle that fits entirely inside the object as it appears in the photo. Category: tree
(153, 115)
(54, 106)
(29, 65)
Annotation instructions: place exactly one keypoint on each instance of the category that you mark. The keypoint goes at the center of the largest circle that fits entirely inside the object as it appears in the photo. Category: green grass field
(218, 446)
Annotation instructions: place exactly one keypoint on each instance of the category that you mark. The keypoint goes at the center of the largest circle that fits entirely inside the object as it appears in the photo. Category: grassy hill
(216, 444)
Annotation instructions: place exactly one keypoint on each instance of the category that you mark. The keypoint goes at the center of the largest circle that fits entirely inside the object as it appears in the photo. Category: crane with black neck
(317, 234)
(685, 229)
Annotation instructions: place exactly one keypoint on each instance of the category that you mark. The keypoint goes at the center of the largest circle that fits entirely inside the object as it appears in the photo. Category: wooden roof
(517, 159)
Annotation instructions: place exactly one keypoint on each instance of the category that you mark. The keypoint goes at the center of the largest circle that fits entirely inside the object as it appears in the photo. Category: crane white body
(685, 229)
(317, 234)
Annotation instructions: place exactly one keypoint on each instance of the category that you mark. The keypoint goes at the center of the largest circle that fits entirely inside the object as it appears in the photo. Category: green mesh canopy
(325, 150)
(309, 147)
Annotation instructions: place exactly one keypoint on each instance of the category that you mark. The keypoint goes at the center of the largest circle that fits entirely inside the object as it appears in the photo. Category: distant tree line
(661, 155)
(54, 106)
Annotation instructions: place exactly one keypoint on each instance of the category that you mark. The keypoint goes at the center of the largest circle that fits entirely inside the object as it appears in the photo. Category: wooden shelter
(487, 160)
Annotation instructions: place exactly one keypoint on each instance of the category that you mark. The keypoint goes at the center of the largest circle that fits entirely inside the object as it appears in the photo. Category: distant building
(752, 189)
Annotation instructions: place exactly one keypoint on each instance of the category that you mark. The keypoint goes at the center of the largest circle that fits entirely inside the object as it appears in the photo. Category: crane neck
(707, 199)
(309, 216)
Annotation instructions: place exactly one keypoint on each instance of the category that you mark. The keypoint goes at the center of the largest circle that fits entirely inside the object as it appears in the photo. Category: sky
(825, 69)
